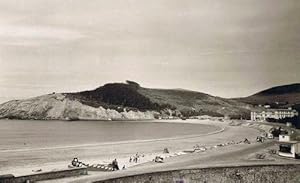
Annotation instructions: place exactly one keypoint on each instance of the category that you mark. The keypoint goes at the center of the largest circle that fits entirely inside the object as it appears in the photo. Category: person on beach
(74, 162)
(246, 141)
(130, 159)
(115, 164)
(137, 157)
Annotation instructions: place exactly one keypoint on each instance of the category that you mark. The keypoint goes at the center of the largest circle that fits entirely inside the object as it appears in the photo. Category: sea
(24, 134)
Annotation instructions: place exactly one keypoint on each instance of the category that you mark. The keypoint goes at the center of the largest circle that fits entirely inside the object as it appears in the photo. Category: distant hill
(180, 102)
(123, 101)
(280, 96)
(57, 106)
(281, 90)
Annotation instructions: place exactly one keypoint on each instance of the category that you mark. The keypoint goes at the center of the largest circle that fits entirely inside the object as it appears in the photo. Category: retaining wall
(44, 176)
(234, 174)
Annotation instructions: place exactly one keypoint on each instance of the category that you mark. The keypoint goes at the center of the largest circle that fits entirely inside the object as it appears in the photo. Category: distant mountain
(123, 101)
(280, 96)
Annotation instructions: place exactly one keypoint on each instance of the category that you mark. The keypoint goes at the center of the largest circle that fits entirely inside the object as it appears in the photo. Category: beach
(27, 161)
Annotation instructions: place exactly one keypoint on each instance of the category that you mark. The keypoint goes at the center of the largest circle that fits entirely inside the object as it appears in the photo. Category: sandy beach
(231, 153)
(56, 158)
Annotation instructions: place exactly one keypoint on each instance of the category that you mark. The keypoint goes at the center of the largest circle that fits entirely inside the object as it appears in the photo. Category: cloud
(205, 45)
(30, 35)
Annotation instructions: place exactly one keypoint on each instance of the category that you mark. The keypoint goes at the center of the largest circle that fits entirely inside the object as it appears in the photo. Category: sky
(231, 48)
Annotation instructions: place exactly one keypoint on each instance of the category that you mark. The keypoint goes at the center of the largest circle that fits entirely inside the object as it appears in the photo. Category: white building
(284, 138)
(287, 147)
(273, 113)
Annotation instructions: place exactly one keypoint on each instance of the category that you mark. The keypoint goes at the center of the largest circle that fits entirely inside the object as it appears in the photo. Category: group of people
(75, 162)
(135, 158)
(260, 139)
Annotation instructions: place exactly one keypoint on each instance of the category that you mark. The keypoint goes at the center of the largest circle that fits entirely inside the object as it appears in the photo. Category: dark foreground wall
(44, 176)
(242, 174)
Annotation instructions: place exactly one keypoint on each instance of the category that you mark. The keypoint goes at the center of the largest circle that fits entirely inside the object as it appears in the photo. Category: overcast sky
(229, 48)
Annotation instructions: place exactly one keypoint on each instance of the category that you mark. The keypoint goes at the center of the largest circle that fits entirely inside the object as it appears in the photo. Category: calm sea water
(19, 134)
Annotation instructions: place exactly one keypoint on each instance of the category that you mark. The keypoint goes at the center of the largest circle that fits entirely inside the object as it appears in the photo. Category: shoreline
(118, 142)
(150, 148)
(111, 119)
(115, 142)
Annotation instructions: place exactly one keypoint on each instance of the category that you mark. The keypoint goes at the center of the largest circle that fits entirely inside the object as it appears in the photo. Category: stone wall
(236, 174)
(44, 176)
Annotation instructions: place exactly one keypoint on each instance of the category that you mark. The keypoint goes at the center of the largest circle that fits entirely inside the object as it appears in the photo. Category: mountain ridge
(278, 96)
(282, 89)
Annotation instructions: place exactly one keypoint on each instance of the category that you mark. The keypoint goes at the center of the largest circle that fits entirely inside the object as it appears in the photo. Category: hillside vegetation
(178, 102)
(123, 101)
(280, 96)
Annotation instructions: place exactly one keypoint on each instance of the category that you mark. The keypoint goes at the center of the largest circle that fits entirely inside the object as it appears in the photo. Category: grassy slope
(187, 101)
(289, 95)
(118, 95)
(289, 99)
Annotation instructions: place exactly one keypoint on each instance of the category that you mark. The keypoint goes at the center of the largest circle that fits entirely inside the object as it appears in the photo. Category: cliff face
(57, 106)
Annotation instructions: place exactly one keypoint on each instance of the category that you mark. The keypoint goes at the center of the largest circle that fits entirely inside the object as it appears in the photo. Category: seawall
(44, 176)
(288, 173)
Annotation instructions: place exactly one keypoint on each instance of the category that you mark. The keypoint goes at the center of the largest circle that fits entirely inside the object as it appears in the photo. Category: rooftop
(275, 110)
(288, 142)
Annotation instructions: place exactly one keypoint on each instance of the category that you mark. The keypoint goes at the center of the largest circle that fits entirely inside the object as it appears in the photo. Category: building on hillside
(288, 147)
(273, 113)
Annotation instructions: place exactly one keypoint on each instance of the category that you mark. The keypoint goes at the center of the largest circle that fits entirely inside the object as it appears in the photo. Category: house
(273, 113)
(288, 147)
